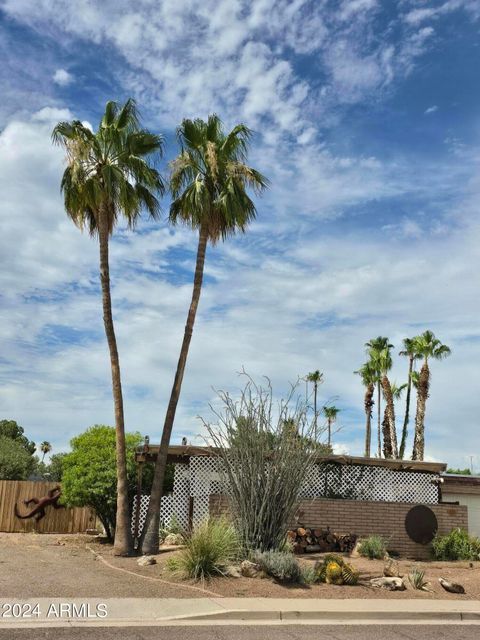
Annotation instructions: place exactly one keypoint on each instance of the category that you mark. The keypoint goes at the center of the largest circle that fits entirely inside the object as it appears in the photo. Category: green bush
(280, 565)
(456, 545)
(208, 551)
(374, 547)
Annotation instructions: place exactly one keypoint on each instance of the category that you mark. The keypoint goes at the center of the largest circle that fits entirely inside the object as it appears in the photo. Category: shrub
(456, 545)
(374, 547)
(208, 551)
(264, 455)
(280, 565)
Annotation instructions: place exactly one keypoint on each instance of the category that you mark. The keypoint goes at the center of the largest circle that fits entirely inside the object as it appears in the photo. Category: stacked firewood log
(306, 540)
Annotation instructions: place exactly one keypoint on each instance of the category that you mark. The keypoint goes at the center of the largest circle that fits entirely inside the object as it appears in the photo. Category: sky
(367, 124)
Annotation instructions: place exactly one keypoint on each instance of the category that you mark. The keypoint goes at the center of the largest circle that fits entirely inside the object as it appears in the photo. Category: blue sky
(367, 124)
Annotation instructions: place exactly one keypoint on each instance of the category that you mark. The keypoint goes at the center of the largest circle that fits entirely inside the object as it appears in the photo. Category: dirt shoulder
(47, 565)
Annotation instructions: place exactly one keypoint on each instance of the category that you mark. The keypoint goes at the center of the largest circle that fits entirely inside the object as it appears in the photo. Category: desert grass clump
(208, 551)
(374, 547)
(264, 451)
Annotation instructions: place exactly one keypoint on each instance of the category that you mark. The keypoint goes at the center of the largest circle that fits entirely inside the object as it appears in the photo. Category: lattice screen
(201, 478)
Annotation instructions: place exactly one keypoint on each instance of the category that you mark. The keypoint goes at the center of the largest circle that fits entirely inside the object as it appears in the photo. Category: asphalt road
(290, 632)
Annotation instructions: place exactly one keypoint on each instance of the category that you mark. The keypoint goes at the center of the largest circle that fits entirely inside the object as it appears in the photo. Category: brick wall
(364, 518)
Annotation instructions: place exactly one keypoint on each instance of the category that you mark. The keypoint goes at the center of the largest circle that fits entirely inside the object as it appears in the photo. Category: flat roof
(182, 453)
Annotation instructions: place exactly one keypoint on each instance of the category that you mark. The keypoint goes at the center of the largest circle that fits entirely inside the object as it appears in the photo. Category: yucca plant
(208, 551)
(417, 579)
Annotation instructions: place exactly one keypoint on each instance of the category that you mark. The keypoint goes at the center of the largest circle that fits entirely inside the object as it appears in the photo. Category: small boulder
(144, 561)
(391, 569)
(232, 572)
(392, 584)
(452, 587)
(250, 569)
(173, 539)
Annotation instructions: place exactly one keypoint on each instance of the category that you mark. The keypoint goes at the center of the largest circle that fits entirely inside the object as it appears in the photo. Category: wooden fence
(76, 520)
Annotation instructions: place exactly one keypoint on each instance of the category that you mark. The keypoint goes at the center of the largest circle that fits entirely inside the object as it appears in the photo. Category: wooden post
(190, 513)
(138, 504)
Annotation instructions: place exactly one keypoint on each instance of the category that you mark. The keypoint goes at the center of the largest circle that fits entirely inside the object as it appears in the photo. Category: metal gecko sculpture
(38, 511)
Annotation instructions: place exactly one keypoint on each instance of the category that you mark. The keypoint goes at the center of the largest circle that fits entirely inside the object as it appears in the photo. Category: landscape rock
(250, 569)
(144, 561)
(232, 572)
(452, 587)
(173, 539)
(392, 584)
(391, 569)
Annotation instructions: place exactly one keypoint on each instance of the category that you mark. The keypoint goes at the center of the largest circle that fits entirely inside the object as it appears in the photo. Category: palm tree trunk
(150, 536)
(329, 422)
(403, 442)
(123, 539)
(389, 432)
(315, 409)
(422, 395)
(379, 426)
(368, 412)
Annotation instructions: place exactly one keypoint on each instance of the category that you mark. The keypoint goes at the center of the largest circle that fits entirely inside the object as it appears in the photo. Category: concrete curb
(57, 612)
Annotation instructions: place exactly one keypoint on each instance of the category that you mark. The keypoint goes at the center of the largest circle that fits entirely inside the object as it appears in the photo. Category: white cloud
(62, 77)
(431, 109)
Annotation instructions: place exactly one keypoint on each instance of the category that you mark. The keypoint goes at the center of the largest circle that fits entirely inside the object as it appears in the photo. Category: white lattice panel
(173, 506)
(357, 482)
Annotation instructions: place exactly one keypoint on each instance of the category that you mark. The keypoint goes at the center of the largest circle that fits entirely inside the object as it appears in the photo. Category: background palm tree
(45, 447)
(109, 173)
(428, 347)
(208, 182)
(374, 348)
(369, 377)
(330, 413)
(409, 350)
(316, 378)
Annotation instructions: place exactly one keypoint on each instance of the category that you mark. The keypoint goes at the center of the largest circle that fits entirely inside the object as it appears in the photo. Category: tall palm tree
(209, 184)
(409, 350)
(369, 378)
(330, 413)
(110, 174)
(384, 364)
(45, 447)
(428, 347)
(317, 378)
(374, 349)
(389, 444)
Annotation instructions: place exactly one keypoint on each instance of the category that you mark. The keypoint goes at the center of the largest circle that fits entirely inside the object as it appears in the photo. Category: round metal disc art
(421, 524)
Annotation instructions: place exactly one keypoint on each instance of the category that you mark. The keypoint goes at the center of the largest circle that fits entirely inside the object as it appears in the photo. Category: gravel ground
(49, 565)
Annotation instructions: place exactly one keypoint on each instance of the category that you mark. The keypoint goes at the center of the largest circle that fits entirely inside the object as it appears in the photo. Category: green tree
(110, 173)
(11, 429)
(316, 377)
(378, 349)
(16, 463)
(369, 376)
(409, 351)
(209, 184)
(90, 473)
(428, 347)
(330, 413)
(460, 472)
